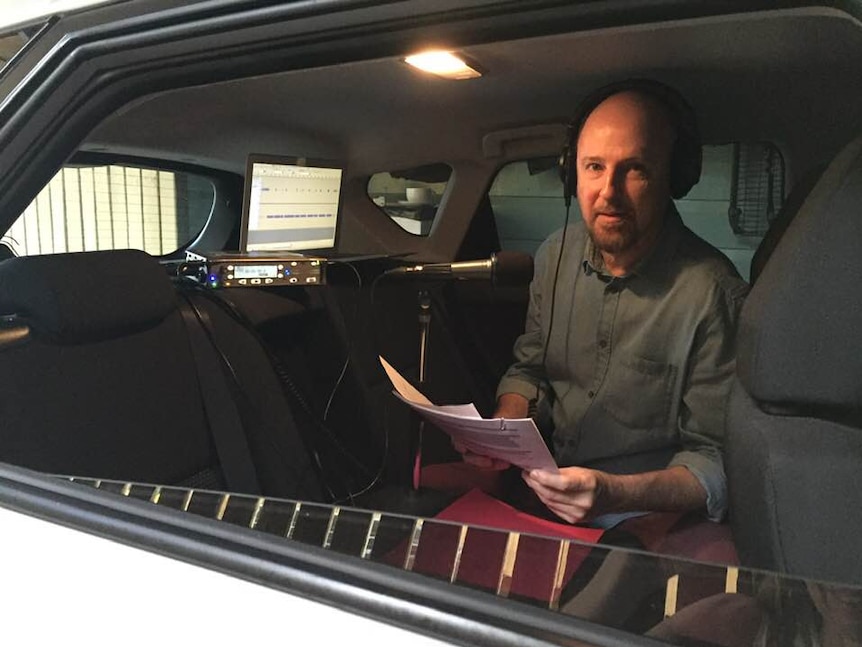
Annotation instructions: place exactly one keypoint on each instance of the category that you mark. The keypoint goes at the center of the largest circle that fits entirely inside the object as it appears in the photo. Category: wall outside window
(113, 207)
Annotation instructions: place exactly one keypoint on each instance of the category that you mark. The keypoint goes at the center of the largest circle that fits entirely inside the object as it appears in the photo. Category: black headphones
(686, 157)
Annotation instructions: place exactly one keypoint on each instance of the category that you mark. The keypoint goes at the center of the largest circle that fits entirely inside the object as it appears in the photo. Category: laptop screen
(290, 204)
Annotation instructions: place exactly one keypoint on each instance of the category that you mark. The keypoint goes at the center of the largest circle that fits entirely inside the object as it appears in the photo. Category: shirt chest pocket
(638, 392)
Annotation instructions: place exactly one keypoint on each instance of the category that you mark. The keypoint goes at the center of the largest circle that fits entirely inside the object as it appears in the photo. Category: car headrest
(800, 325)
(86, 296)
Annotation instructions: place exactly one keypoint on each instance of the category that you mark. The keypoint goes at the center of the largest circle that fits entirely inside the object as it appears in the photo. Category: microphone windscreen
(513, 268)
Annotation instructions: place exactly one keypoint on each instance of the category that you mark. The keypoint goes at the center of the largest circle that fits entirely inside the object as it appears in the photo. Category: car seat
(100, 379)
(778, 226)
(794, 435)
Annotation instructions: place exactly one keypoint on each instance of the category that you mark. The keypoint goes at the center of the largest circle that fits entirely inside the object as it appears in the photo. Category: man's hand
(573, 494)
(478, 460)
(577, 493)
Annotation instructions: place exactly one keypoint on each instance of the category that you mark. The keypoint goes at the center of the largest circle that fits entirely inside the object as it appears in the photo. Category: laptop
(292, 205)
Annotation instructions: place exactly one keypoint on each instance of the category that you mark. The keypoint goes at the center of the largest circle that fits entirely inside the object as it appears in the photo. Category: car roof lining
(316, 111)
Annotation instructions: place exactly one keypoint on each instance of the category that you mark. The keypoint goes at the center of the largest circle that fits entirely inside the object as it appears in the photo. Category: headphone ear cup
(567, 170)
(567, 173)
(563, 164)
(686, 166)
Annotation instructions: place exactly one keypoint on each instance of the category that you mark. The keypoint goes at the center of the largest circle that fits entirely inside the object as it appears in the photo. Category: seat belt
(222, 415)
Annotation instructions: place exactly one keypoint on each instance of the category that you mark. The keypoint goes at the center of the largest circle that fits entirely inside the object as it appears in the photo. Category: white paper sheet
(515, 441)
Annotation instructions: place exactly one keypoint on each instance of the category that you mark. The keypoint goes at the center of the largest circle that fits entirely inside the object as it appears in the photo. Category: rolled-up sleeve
(704, 401)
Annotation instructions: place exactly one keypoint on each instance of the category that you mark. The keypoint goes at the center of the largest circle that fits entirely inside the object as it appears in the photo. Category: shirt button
(591, 394)
(603, 343)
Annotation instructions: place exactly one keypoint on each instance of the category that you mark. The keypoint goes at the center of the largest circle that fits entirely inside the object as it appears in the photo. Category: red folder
(537, 560)
(479, 509)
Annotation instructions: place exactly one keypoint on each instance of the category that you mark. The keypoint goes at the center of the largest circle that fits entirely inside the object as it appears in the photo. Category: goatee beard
(618, 240)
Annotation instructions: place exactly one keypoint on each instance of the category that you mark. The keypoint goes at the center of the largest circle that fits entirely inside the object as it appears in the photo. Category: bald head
(623, 160)
(643, 116)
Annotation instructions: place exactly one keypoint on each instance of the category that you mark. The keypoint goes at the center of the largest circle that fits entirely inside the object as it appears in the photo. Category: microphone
(503, 268)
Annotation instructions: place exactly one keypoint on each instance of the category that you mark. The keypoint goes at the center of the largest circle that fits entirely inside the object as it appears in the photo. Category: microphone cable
(351, 495)
(349, 338)
(202, 320)
(291, 389)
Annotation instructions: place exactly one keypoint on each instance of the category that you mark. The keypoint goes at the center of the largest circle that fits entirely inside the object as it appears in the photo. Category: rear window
(411, 197)
(89, 208)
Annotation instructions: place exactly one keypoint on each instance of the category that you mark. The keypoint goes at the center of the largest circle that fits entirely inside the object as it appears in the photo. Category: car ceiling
(754, 76)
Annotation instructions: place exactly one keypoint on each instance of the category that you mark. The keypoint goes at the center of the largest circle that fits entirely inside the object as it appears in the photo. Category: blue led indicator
(287, 272)
(213, 277)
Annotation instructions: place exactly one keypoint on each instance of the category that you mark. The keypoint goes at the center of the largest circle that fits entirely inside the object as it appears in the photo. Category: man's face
(623, 174)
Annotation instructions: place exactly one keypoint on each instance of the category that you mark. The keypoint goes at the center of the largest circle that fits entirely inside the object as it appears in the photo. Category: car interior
(134, 359)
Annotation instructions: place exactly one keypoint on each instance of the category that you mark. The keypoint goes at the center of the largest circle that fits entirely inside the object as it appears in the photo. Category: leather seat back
(103, 383)
(794, 436)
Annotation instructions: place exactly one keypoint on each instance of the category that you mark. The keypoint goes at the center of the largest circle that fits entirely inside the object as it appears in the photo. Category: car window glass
(12, 42)
(88, 208)
(411, 197)
(527, 201)
(739, 194)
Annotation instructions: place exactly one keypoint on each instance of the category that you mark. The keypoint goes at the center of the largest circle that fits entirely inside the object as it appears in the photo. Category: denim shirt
(637, 369)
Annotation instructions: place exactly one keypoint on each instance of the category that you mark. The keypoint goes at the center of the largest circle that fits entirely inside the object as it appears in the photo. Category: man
(629, 335)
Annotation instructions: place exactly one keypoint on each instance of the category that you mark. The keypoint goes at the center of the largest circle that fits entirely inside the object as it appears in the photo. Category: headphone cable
(533, 406)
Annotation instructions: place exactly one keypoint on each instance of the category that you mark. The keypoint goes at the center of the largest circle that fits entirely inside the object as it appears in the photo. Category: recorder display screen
(255, 271)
